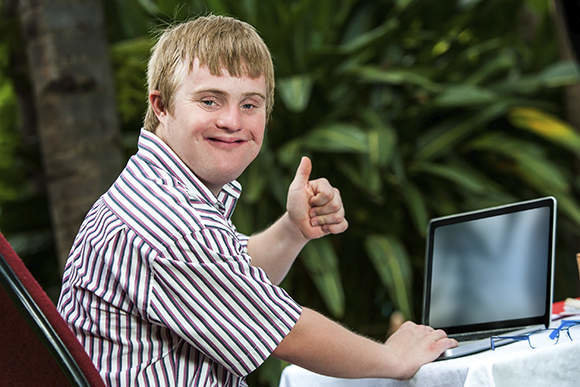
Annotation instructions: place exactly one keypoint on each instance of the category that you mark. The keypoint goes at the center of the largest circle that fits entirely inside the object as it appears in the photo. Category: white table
(514, 364)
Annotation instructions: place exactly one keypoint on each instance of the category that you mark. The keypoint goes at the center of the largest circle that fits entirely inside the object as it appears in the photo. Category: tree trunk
(78, 127)
(17, 71)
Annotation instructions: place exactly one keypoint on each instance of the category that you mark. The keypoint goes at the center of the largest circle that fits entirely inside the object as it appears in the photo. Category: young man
(160, 288)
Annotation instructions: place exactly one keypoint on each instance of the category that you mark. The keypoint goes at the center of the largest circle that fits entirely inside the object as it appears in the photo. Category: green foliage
(322, 263)
(129, 59)
(8, 108)
(9, 185)
(392, 264)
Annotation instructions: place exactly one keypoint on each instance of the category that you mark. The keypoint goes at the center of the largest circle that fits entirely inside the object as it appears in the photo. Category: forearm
(325, 347)
(275, 249)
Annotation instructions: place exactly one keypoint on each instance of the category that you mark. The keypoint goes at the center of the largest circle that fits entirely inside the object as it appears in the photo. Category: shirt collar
(155, 151)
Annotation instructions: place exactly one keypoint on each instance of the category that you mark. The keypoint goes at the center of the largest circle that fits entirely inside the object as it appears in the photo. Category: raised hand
(314, 206)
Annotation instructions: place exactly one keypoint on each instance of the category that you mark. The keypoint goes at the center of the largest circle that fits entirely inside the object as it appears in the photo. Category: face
(216, 125)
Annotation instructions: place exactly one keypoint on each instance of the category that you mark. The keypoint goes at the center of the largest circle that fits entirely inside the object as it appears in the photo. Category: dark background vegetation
(414, 109)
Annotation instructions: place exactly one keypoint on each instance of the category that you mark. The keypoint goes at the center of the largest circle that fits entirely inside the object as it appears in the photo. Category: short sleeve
(243, 239)
(205, 290)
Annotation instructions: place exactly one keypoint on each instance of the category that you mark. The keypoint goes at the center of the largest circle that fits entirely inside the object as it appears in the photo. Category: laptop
(490, 272)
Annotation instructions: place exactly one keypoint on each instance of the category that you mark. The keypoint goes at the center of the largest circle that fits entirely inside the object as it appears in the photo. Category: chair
(37, 348)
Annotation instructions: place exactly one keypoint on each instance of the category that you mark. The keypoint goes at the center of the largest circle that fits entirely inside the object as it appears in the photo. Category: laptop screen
(491, 269)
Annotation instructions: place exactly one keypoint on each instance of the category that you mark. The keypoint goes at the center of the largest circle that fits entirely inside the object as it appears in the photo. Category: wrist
(386, 364)
(394, 364)
(293, 231)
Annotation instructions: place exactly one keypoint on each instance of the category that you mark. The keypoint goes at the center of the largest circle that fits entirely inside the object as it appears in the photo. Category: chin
(225, 178)
(228, 173)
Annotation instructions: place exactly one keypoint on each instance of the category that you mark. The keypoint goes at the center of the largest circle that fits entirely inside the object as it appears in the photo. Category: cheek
(259, 130)
(260, 138)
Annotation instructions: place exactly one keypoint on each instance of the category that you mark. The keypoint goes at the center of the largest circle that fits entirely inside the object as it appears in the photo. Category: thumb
(303, 171)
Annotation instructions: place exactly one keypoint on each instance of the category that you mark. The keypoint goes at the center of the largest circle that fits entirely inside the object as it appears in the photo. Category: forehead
(200, 78)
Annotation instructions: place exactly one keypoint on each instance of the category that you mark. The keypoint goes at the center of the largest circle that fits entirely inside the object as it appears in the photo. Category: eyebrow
(223, 93)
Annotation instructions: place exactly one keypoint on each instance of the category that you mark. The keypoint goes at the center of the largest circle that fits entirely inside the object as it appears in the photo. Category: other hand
(413, 345)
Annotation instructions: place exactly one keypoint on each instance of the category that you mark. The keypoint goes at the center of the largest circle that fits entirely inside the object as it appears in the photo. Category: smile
(225, 142)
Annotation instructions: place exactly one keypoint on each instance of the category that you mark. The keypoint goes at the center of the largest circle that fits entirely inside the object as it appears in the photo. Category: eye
(251, 104)
(208, 103)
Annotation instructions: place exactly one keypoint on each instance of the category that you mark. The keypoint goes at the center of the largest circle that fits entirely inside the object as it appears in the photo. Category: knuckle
(335, 206)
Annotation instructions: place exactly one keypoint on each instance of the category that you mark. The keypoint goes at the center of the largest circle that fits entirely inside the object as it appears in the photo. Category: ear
(157, 105)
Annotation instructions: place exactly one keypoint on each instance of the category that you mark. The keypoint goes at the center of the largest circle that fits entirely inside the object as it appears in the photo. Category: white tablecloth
(514, 364)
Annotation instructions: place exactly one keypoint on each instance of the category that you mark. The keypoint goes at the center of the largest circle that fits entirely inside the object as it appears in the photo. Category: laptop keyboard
(461, 337)
(474, 336)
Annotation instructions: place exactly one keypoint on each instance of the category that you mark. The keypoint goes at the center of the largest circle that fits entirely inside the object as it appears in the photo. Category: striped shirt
(158, 286)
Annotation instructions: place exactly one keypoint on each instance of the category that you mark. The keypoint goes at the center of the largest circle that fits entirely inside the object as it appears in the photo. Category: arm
(313, 209)
(325, 347)
(276, 248)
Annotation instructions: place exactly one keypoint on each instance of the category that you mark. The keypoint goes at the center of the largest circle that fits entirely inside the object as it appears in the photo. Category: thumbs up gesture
(314, 206)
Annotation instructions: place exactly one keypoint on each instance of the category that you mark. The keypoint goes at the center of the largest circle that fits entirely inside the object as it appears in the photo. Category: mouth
(229, 141)
(226, 141)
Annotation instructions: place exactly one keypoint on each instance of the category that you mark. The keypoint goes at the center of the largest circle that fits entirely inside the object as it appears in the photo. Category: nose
(229, 119)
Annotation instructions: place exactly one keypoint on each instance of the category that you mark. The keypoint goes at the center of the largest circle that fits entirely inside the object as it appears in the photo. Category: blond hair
(218, 42)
